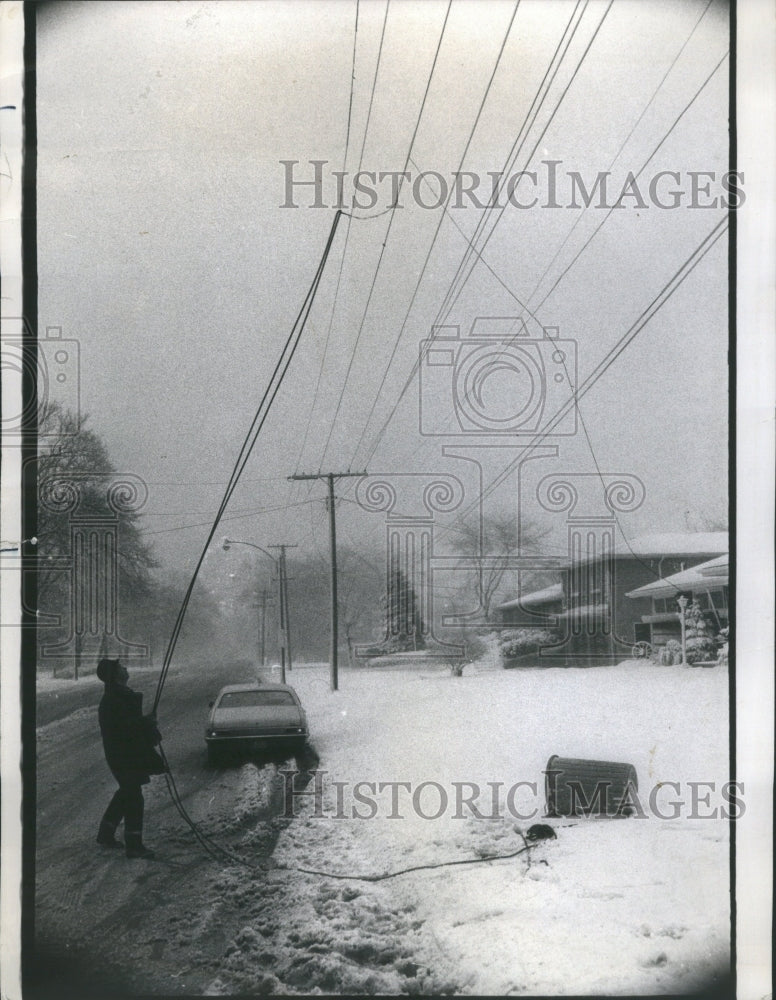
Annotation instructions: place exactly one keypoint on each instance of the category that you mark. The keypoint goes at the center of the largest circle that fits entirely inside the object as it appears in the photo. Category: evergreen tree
(699, 639)
(405, 624)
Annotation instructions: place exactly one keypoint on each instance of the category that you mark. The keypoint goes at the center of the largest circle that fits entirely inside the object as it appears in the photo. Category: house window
(642, 632)
(718, 599)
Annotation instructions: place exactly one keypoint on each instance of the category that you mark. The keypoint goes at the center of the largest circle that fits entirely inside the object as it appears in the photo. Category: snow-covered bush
(699, 643)
(521, 641)
(476, 646)
(723, 639)
(671, 653)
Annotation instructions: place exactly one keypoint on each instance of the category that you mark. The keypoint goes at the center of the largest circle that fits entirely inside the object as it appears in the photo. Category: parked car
(255, 718)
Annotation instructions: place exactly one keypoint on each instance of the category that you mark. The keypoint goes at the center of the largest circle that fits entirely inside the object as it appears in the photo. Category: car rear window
(251, 699)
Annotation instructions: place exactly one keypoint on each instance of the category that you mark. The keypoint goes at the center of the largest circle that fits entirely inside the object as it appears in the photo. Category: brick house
(599, 609)
(706, 583)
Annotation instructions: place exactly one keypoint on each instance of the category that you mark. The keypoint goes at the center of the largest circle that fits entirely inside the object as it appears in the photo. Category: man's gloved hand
(152, 729)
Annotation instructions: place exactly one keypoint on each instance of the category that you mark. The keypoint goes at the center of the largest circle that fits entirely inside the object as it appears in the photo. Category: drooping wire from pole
(249, 441)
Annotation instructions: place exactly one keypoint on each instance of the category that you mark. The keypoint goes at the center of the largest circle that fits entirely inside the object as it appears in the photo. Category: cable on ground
(416, 868)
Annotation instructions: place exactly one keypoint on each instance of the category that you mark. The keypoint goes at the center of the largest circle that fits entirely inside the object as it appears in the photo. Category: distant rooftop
(710, 575)
(713, 566)
(669, 544)
(672, 544)
(536, 597)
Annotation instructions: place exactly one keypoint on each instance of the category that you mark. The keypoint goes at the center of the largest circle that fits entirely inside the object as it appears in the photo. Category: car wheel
(306, 757)
(213, 755)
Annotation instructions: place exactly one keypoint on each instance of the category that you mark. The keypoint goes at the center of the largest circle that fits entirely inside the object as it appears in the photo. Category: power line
(219, 482)
(617, 204)
(349, 216)
(271, 391)
(352, 83)
(233, 517)
(508, 343)
(446, 310)
(388, 232)
(617, 155)
(581, 251)
(439, 224)
(609, 358)
(470, 244)
(551, 72)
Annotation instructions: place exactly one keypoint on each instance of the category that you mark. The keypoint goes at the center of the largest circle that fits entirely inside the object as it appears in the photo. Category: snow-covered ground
(612, 906)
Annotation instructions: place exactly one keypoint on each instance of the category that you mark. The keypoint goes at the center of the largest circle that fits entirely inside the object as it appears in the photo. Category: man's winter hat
(106, 670)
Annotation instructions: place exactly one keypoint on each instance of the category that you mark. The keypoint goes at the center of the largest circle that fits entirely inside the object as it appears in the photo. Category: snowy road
(154, 926)
(612, 906)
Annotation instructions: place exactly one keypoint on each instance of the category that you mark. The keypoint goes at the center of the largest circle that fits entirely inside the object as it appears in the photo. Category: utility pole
(262, 606)
(285, 626)
(330, 477)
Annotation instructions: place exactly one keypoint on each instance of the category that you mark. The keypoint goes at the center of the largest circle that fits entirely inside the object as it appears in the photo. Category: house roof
(714, 566)
(670, 544)
(707, 576)
(661, 545)
(537, 597)
(586, 611)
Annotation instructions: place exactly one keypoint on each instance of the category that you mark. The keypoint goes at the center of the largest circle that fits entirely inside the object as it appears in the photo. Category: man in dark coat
(129, 738)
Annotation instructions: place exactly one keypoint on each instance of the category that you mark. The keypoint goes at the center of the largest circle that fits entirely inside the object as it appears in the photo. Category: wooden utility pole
(330, 477)
(262, 606)
(285, 626)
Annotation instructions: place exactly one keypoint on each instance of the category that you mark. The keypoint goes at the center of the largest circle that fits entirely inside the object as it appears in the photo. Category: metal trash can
(575, 787)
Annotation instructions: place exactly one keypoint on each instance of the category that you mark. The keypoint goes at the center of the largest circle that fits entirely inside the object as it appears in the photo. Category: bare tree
(360, 579)
(488, 546)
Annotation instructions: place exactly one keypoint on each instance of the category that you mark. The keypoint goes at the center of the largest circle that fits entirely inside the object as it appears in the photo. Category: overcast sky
(165, 250)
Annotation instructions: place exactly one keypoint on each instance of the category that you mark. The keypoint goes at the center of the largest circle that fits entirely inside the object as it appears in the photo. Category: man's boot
(106, 835)
(135, 846)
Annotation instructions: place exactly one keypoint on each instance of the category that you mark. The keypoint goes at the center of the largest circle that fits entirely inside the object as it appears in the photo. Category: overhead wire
(249, 441)
(619, 152)
(509, 342)
(470, 243)
(643, 167)
(388, 232)
(638, 174)
(436, 233)
(273, 386)
(519, 141)
(447, 307)
(347, 214)
(666, 292)
(233, 517)
(550, 73)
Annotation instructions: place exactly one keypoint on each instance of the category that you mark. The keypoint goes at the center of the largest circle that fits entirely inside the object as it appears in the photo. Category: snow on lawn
(637, 905)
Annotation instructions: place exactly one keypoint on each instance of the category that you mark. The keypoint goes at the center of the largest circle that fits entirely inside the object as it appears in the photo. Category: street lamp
(682, 602)
(228, 542)
(280, 570)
